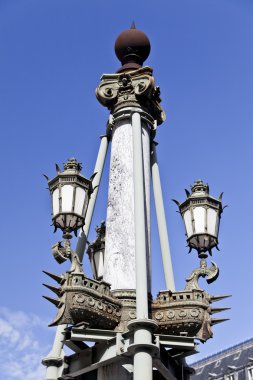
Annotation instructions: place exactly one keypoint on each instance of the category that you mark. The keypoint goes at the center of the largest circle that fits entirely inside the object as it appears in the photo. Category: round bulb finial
(132, 47)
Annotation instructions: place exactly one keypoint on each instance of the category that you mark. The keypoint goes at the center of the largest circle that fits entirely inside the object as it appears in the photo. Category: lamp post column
(142, 335)
(133, 100)
(119, 264)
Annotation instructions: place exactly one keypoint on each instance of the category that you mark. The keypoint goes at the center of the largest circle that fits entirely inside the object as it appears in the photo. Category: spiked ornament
(54, 301)
(54, 289)
(60, 279)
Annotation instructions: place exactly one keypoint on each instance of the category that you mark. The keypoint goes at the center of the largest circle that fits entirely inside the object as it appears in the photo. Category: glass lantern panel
(55, 199)
(211, 221)
(79, 202)
(67, 198)
(199, 214)
(99, 263)
(188, 223)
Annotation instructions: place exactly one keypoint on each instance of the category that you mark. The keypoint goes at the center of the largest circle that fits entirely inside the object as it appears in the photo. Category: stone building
(234, 363)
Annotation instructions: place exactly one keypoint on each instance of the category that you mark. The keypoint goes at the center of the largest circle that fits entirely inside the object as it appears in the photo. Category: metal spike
(47, 178)
(133, 25)
(54, 289)
(215, 321)
(58, 279)
(57, 168)
(53, 324)
(219, 309)
(219, 298)
(55, 301)
(224, 207)
(93, 176)
(55, 229)
(187, 193)
(94, 188)
(177, 203)
(220, 197)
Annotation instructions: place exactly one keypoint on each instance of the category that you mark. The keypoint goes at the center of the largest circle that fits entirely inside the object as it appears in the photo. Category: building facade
(234, 363)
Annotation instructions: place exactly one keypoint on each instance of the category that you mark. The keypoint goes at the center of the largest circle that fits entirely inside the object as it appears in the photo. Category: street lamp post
(132, 331)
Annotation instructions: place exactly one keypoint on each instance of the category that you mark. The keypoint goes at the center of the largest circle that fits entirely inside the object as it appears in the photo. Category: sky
(53, 53)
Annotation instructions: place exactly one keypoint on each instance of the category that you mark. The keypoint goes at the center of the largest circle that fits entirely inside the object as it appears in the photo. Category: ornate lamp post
(116, 309)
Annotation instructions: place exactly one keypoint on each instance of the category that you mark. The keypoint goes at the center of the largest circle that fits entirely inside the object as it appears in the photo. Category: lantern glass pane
(67, 198)
(79, 202)
(199, 214)
(55, 199)
(211, 221)
(188, 223)
(99, 263)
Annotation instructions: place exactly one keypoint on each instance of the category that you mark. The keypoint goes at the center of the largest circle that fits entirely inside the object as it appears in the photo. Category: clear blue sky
(52, 54)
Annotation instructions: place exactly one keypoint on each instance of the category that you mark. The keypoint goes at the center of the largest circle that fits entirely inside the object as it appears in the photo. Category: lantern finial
(199, 187)
(72, 165)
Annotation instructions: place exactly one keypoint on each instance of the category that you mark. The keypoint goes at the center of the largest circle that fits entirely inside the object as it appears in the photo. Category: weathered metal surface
(211, 275)
(133, 89)
(118, 348)
(182, 312)
(132, 48)
(186, 312)
(92, 303)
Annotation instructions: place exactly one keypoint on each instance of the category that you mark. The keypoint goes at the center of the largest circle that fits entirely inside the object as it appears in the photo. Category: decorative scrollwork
(136, 88)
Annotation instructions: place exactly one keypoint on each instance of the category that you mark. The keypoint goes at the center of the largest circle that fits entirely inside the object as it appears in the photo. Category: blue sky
(53, 53)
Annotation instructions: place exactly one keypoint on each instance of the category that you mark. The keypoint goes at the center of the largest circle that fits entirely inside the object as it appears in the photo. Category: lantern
(201, 214)
(70, 193)
(96, 251)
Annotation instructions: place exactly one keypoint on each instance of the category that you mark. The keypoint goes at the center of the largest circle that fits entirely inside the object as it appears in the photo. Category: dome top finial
(133, 25)
(132, 48)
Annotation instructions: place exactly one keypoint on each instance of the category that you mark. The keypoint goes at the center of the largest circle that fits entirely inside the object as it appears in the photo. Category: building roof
(230, 360)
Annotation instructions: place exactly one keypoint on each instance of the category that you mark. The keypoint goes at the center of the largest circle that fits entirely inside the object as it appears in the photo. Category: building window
(250, 373)
(199, 371)
(237, 355)
(231, 376)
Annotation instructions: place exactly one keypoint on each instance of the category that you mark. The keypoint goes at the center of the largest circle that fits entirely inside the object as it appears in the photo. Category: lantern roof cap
(72, 166)
(132, 48)
(199, 189)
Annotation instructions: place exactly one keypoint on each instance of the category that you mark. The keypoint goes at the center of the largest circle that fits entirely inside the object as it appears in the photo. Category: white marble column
(120, 231)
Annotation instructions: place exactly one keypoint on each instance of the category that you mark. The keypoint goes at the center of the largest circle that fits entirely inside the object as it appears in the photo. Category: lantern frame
(201, 229)
(98, 246)
(73, 218)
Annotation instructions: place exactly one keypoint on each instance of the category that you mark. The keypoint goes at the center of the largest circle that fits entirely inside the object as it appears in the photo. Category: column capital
(131, 89)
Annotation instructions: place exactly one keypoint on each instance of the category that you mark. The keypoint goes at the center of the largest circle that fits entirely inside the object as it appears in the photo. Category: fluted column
(120, 222)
